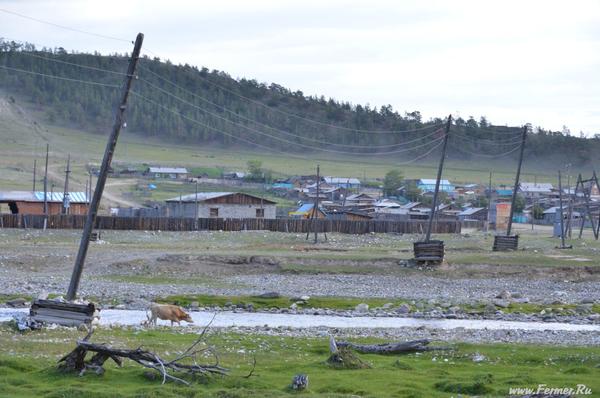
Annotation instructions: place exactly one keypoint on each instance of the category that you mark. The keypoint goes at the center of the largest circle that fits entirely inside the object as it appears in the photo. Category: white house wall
(225, 210)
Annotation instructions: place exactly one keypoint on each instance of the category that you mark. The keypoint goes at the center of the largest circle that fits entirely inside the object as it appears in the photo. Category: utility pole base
(503, 243)
(63, 313)
(431, 252)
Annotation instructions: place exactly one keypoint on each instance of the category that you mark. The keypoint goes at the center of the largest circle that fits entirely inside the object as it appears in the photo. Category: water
(229, 319)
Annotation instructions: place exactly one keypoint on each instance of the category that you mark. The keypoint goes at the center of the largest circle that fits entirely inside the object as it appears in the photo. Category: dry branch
(75, 360)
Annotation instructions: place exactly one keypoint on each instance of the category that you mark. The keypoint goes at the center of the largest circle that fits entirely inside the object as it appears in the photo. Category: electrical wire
(298, 116)
(484, 141)
(246, 127)
(224, 109)
(90, 82)
(422, 156)
(64, 27)
(60, 61)
(485, 155)
(278, 138)
(228, 110)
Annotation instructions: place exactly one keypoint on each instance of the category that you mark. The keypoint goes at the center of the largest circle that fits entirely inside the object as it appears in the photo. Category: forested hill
(185, 103)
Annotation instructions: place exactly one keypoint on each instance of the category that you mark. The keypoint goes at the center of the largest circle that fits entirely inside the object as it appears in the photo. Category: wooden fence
(226, 224)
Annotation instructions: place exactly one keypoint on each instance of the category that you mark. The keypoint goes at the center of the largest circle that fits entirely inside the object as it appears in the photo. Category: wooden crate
(504, 243)
(429, 252)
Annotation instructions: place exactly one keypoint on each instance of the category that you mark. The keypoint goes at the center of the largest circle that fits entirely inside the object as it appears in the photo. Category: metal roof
(28, 196)
(341, 180)
(432, 181)
(535, 187)
(470, 211)
(202, 196)
(168, 170)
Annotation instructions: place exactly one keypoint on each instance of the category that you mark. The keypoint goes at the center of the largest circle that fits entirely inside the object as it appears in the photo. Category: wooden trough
(503, 243)
(429, 252)
(62, 313)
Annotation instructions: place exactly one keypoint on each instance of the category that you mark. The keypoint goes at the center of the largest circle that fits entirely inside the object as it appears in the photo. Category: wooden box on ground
(61, 313)
(432, 251)
(504, 243)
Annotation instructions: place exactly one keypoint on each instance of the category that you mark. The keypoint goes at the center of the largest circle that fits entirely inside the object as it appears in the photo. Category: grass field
(28, 368)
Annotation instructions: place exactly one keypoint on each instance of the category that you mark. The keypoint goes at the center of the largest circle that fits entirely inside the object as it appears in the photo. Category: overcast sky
(511, 61)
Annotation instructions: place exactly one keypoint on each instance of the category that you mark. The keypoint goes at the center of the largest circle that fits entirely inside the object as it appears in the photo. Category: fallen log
(392, 347)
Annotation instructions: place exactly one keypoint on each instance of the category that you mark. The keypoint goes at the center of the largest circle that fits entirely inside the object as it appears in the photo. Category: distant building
(427, 185)
(343, 182)
(360, 200)
(221, 205)
(306, 211)
(26, 202)
(349, 215)
(473, 213)
(535, 190)
(235, 175)
(167, 172)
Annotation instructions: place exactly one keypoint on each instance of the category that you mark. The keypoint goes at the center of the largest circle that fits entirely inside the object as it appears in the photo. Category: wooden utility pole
(437, 181)
(196, 207)
(517, 177)
(569, 228)
(560, 201)
(34, 173)
(46, 188)
(66, 201)
(489, 213)
(89, 194)
(106, 161)
(316, 207)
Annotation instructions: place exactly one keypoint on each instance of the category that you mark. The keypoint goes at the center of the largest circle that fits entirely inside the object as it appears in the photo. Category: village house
(343, 182)
(348, 215)
(473, 213)
(167, 172)
(306, 211)
(221, 205)
(360, 200)
(27, 202)
(427, 185)
(235, 175)
(531, 190)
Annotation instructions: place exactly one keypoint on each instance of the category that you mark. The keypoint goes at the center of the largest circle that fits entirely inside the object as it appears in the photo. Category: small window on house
(214, 212)
(260, 213)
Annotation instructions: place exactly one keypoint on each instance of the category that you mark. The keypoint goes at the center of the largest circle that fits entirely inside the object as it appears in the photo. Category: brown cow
(167, 312)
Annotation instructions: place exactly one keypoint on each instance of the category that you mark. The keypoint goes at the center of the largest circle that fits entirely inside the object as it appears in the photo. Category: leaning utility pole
(66, 201)
(437, 181)
(518, 176)
(106, 160)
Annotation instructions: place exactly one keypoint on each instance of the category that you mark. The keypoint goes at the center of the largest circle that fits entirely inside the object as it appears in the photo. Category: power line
(64, 27)
(273, 128)
(485, 155)
(289, 142)
(30, 54)
(90, 82)
(482, 141)
(298, 116)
